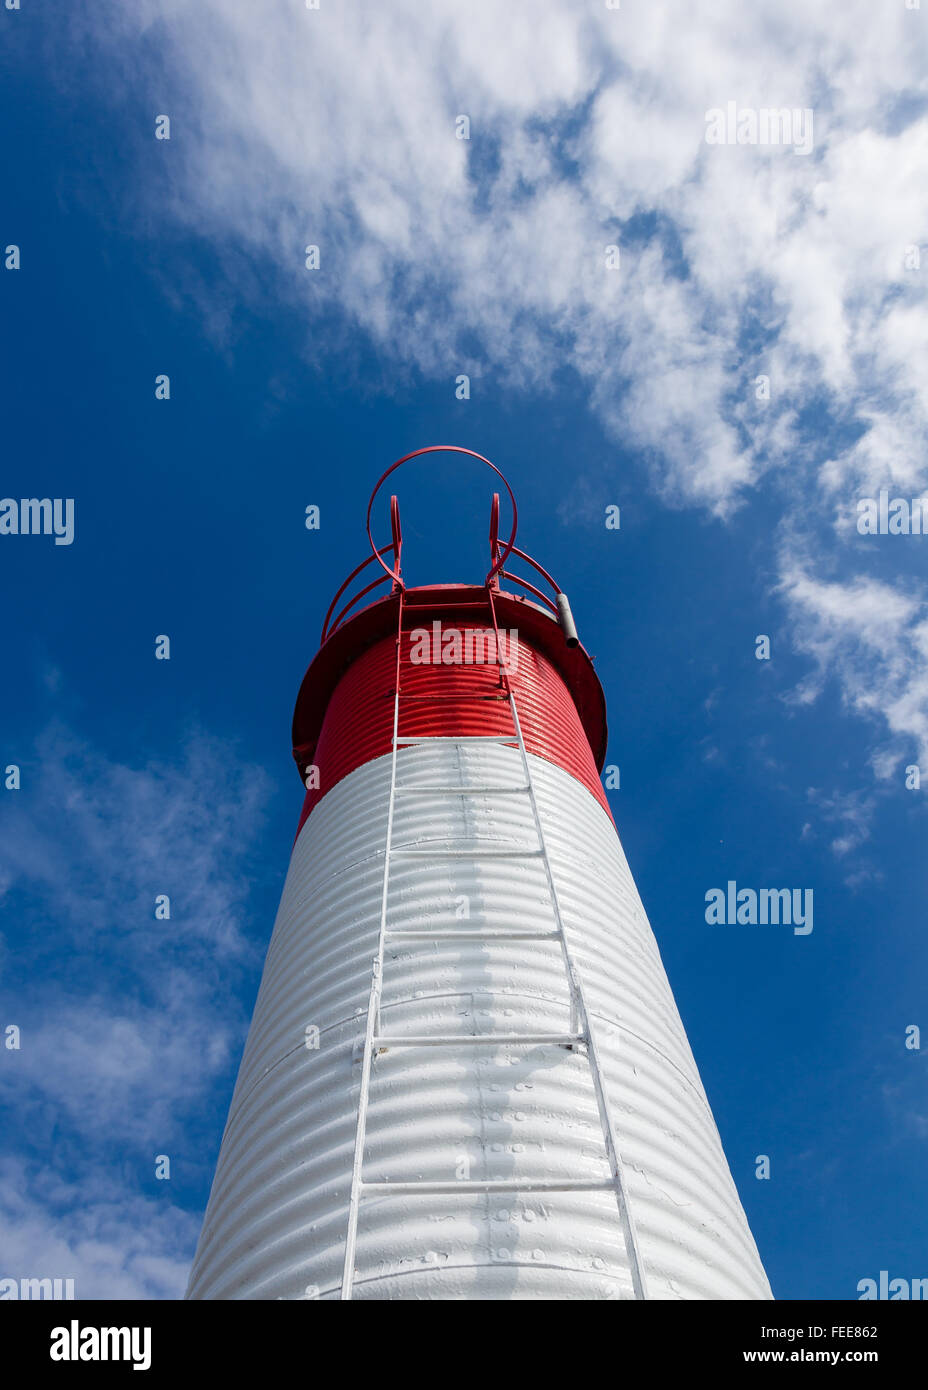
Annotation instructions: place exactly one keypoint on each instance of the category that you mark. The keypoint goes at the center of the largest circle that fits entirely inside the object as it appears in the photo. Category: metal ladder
(581, 1034)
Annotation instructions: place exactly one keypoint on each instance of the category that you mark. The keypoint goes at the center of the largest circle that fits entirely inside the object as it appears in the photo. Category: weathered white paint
(276, 1220)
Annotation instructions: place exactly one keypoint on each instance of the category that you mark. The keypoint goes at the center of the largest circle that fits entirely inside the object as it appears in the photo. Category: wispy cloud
(113, 1243)
(125, 1020)
(100, 839)
(851, 812)
(871, 636)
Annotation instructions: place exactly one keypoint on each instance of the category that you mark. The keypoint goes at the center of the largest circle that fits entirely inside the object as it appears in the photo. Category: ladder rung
(488, 852)
(458, 738)
(427, 935)
(445, 607)
(426, 1188)
(464, 699)
(464, 791)
(480, 1040)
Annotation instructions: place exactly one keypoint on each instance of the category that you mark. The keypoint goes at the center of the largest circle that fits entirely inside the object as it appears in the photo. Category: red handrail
(326, 631)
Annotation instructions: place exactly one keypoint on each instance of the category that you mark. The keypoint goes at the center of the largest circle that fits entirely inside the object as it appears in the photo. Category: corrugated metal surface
(453, 699)
(277, 1216)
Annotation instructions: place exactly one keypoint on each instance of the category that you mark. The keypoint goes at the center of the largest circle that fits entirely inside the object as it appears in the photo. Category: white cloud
(852, 812)
(100, 839)
(116, 1069)
(125, 1022)
(873, 638)
(111, 1241)
(337, 126)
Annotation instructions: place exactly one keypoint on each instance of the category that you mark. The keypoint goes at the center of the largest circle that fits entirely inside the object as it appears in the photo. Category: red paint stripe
(358, 723)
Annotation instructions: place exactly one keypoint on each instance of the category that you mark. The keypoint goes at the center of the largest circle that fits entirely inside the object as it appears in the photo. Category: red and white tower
(466, 1077)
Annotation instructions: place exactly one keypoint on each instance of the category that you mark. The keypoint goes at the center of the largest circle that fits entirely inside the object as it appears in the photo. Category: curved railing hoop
(394, 573)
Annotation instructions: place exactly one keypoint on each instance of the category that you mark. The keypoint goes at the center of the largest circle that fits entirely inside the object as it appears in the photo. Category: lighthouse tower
(466, 1077)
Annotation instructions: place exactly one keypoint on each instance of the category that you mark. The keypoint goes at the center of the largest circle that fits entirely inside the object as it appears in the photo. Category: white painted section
(277, 1216)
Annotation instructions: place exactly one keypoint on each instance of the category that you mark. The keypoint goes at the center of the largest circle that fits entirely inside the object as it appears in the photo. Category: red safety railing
(499, 554)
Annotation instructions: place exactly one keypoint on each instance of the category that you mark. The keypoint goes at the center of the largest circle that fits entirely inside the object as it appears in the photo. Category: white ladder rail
(580, 1019)
(581, 1022)
(373, 1003)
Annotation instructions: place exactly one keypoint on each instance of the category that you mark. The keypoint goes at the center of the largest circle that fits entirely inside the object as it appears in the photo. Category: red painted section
(357, 723)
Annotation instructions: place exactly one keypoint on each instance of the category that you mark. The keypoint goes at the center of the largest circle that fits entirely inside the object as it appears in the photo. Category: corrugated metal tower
(466, 1077)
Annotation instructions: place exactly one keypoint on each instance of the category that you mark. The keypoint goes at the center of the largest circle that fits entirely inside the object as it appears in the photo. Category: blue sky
(588, 387)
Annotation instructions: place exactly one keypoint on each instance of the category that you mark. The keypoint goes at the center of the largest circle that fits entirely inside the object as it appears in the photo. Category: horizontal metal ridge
(479, 1040)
